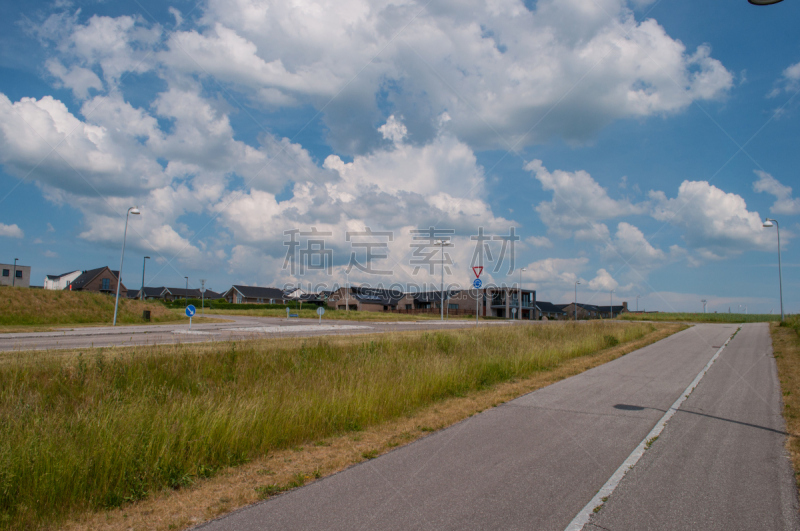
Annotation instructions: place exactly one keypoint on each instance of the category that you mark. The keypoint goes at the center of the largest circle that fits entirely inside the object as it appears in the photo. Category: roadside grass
(339, 315)
(39, 307)
(98, 429)
(786, 349)
(277, 471)
(700, 317)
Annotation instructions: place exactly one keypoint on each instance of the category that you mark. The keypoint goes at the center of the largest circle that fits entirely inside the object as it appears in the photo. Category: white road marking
(197, 332)
(582, 517)
(298, 328)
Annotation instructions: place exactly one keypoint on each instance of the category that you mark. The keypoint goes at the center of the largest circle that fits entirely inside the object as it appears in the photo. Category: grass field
(39, 307)
(97, 429)
(701, 317)
(337, 315)
(786, 348)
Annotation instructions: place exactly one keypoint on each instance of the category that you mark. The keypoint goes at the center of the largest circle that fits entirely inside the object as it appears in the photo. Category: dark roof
(88, 276)
(258, 292)
(191, 293)
(56, 277)
(386, 297)
(208, 294)
(549, 307)
(152, 291)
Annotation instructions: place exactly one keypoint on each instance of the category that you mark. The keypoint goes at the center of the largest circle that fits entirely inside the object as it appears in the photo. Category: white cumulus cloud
(784, 202)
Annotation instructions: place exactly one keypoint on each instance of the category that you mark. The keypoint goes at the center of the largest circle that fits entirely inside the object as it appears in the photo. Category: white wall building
(60, 281)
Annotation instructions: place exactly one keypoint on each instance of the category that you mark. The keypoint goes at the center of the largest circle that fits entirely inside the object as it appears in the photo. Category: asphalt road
(236, 328)
(536, 462)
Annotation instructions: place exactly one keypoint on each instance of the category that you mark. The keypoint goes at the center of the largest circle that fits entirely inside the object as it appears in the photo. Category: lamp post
(704, 305)
(347, 292)
(443, 244)
(141, 292)
(520, 292)
(186, 293)
(14, 275)
(576, 299)
(611, 306)
(135, 211)
(637, 304)
(767, 224)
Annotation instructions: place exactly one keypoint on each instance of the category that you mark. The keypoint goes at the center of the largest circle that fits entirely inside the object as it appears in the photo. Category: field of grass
(97, 429)
(786, 348)
(701, 317)
(338, 315)
(32, 307)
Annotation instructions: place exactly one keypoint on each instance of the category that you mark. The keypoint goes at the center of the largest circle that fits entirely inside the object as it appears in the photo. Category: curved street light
(141, 292)
(135, 211)
(611, 306)
(768, 223)
(576, 299)
(520, 292)
(443, 244)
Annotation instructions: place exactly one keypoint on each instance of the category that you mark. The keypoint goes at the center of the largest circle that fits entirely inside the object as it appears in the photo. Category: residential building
(505, 302)
(363, 299)
(171, 294)
(61, 281)
(551, 311)
(456, 300)
(19, 275)
(100, 280)
(238, 294)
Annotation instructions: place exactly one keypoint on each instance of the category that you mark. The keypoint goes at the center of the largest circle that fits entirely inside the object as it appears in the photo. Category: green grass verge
(25, 306)
(337, 315)
(103, 428)
(701, 317)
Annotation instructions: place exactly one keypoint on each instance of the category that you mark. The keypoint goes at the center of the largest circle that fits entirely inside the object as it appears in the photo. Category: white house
(60, 281)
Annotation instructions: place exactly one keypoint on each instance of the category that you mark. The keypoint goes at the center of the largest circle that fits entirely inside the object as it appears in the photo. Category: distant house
(255, 295)
(551, 311)
(61, 281)
(100, 280)
(362, 299)
(171, 294)
(19, 275)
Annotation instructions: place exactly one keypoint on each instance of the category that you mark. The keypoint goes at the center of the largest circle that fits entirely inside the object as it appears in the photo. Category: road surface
(537, 462)
(235, 328)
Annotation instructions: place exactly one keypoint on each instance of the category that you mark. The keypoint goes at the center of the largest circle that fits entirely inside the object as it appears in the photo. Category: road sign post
(477, 285)
(320, 312)
(190, 311)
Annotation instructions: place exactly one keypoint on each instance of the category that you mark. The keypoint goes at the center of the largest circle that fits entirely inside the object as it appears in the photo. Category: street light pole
(141, 292)
(14, 276)
(637, 304)
(576, 299)
(768, 223)
(186, 293)
(704, 305)
(135, 211)
(520, 292)
(202, 296)
(442, 245)
(611, 306)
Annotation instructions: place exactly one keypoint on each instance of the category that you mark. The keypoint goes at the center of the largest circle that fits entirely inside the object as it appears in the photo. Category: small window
(19, 273)
(105, 284)
(452, 306)
(6, 272)
(408, 306)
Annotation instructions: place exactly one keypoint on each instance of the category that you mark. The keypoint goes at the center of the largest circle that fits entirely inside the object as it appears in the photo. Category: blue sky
(632, 145)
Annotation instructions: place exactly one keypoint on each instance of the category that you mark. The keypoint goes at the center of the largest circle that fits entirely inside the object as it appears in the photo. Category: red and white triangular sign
(477, 270)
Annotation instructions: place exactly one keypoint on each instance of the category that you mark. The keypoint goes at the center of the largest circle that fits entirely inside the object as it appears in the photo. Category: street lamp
(576, 299)
(611, 306)
(186, 293)
(520, 292)
(763, 2)
(443, 244)
(767, 224)
(135, 211)
(14, 276)
(141, 292)
(637, 304)
(704, 305)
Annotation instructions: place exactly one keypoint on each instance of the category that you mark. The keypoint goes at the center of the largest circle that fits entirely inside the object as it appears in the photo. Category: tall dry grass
(25, 306)
(701, 317)
(104, 428)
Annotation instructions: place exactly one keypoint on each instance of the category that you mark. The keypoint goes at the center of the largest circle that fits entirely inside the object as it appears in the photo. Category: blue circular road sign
(477, 283)
(191, 310)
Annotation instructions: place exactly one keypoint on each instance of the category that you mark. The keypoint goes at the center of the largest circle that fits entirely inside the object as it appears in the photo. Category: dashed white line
(605, 491)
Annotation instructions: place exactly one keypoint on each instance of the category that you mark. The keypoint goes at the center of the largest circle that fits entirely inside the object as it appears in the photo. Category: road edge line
(582, 518)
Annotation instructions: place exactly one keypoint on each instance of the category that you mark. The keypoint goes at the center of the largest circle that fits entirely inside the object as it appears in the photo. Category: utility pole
(202, 296)
(704, 305)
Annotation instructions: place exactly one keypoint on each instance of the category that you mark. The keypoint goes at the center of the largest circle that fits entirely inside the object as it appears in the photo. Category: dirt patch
(281, 470)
